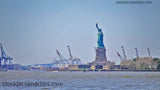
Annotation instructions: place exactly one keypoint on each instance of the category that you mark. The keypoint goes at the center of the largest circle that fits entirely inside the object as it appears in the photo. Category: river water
(79, 80)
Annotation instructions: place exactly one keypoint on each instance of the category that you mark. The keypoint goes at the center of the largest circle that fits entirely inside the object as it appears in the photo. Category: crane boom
(119, 56)
(124, 54)
(137, 52)
(63, 60)
(149, 52)
(69, 50)
(59, 55)
(3, 54)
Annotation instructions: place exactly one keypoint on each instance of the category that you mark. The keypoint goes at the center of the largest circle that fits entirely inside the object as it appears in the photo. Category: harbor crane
(124, 54)
(124, 57)
(137, 52)
(4, 57)
(149, 53)
(73, 61)
(70, 55)
(62, 61)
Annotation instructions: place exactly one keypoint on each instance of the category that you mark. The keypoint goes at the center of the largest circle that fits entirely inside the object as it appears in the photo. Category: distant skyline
(32, 30)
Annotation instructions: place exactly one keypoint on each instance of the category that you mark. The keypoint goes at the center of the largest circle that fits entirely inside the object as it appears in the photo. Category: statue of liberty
(100, 37)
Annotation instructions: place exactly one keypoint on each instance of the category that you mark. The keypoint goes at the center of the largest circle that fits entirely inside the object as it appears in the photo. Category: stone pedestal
(100, 54)
(100, 58)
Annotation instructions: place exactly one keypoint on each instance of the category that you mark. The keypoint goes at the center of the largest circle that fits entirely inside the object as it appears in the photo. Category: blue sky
(32, 30)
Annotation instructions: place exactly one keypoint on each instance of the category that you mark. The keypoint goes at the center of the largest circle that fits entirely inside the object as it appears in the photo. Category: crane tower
(137, 52)
(4, 57)
(124, 54)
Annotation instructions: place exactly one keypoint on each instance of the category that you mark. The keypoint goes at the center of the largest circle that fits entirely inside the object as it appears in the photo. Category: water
(83, 81)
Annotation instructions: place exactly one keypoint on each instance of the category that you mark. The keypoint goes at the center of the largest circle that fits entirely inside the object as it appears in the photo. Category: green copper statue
(100, 37)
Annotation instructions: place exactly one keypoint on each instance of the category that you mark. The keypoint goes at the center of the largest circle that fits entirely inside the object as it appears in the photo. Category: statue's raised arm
(97, 26)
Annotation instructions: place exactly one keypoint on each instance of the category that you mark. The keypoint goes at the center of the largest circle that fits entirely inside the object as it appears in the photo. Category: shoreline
(111, 70)
(85, 71)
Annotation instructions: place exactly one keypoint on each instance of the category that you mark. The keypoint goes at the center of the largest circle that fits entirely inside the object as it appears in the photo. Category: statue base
(101, 59)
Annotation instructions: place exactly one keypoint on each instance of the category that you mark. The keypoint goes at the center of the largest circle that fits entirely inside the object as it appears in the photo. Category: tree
(134, 59)
(158, 66)
(156, 59)
(158, 63)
